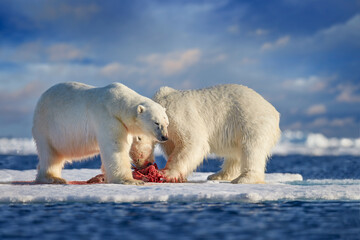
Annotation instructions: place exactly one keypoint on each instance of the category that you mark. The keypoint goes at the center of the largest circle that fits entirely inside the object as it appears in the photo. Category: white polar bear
(73, 121)
(231, 121)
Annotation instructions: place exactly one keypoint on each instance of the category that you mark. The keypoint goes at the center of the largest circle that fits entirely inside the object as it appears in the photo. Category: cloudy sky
(302, 56)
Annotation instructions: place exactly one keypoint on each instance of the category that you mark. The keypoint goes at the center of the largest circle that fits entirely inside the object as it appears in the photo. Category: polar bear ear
(140, 109)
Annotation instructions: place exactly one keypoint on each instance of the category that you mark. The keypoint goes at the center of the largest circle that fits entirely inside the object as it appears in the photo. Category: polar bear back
(217, 101)
(74, 111)
(62, 113)
(221, 113)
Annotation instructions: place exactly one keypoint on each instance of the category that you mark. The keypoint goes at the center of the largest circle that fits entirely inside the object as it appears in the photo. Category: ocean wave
(291, 142)
(17, 146)
(297, 142)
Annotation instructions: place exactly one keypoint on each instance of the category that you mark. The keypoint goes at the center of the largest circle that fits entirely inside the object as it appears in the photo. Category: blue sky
(302, 56)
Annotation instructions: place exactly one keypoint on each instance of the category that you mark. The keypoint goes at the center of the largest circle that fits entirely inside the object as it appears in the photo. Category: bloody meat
(149, 174)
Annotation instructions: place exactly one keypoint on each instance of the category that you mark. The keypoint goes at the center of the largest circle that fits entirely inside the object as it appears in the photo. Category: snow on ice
(278, 187)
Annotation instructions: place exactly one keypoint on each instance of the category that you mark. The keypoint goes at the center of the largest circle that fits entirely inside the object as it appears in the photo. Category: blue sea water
(197, 220)
(269, 220)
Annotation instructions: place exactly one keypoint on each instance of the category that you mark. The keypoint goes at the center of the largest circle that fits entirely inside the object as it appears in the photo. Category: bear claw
(248, 178)
(133, 182)
(51, 180)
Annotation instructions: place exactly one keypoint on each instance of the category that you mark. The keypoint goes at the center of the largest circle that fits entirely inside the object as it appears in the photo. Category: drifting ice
(278, 187)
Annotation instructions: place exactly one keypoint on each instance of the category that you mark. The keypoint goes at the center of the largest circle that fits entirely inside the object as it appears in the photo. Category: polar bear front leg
(114, 151)
(183, 161)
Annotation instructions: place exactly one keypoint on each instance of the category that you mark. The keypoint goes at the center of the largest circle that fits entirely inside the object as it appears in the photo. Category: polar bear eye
(139, 138)
(156, 123)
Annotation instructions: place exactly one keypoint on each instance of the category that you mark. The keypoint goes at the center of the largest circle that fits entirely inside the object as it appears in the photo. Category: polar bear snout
(161, 133)
(162, 137)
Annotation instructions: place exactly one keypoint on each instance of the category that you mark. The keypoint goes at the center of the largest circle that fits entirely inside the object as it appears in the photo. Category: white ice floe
(278, 187)
(292, 142)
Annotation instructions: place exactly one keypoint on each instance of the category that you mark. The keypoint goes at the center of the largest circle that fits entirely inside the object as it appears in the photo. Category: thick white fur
(73, 121)
(231, 121)
(141, 151)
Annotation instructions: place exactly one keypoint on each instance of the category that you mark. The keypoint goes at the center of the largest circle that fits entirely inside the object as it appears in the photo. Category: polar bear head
(153, 121)
(141, 151)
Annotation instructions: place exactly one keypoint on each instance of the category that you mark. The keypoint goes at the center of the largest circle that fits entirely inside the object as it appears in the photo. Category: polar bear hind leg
(253, 166)
(50, 164)
(231, 168)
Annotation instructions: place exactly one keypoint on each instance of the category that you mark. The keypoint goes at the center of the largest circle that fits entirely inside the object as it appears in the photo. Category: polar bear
(73, 121)
(231, 121)
(142, 151)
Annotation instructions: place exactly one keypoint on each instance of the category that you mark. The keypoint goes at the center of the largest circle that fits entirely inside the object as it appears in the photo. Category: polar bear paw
(249, 178)
(132, 182)
(49, 179)
(219, 176)
(173, 177)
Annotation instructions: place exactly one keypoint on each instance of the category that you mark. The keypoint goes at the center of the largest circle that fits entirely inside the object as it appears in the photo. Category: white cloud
(156, 65)
(64, 52)
(172, 63)
(266, 46)
(282, 41)
(37, 52)
(51, 73)
(186, 84)
(51, 12)
(278, 43)
(337, 122)
(212, 59)
(246, 60)
(26, 52)
(30, 90)
(326, 39)
(234, 29)
(261, 32)
(340, 33)
(311, 84)
(220, 58)
(116, 69)
(348, 93)
(317, 109)
(112, 69)
(18, 105)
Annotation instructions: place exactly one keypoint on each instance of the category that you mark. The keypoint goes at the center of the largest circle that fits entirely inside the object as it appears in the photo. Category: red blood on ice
(69, 183)
(148, 174)
(95, 180)
(80, 182)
